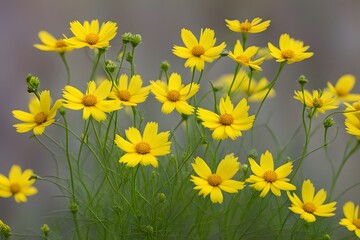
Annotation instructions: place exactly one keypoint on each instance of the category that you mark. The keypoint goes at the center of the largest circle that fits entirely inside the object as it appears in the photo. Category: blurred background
(329, 27)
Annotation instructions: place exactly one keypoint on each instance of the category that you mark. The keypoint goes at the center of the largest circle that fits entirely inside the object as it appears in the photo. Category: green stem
(96, 63)
(121, 62)
(250, 77)
(132, 69)
(233, 80)
(62, 55)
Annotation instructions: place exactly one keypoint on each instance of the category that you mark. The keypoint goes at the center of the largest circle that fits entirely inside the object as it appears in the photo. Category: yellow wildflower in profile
(198, 52)
(342, 88)
(319, 101)
(174, 95)
(255, 26)
(245, 57)
(215, 183)
(18, 184)
(351, 220)
(265, 178)
(352, 119)
(40, 116)
(94, 103)
(291, 50)
(311, 204)
(230, 122)
(89, 34)
(130, 93)
(143, 149)
(50, 43)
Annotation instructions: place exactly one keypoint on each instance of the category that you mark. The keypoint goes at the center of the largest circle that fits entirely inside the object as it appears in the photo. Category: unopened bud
(126, 37)
(165, 66)
(253, 154)
(32, 83)
(5, 230)
(74, 207)
(161, 197)
(328, 122)
(110, 66)
(136, 40)
(45, 229)
(302, 80)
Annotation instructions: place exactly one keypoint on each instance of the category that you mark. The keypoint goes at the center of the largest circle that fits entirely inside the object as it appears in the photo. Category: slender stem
(121, 62)
(132, 69)
(233, 80)
(134, 114)
(62, 55)
(96, 63)
(250, 77)
(244, 38)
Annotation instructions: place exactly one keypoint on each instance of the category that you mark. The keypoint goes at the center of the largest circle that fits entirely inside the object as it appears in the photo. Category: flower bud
(32, 83)
(62, 111)
(5, 230)
(165, 66)
(161, 197)
(328, 122)
(126, 37)
(110, 66)
(136, 40)
(74, 207)
(326, 237)
(302, 80)
(148, 229)
(253, 154)
(244, 168)
(45, 229)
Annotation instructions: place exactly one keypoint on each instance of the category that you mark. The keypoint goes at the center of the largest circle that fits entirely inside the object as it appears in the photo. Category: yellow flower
(49, 43)
(351, 220)
(18, 184)
(291, 50)
(130, 94)
(265, 178)
(94, 102)
(320, 102)
(198, 52)
(40, 116)
(143, 149)
(352, 119)
(245, 57)
(174, 95)
(255, 26)
(342, 88)
(214, 183)
(89, 34)
(230, 122)
(311, 204)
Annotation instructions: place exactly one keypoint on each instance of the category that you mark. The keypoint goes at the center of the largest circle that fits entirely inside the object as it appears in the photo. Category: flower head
(318, 101)
(130, 93)
(291, 50)
(174, 95)
(244, 57)
(255, 26)
(352, 119)
(18, 184)
(351, 220)
(94, 102)
(49, 43)
(230, 122)
(89, 34)
(343, 87)
(311, 204)
(198, 52)
(40, 116)
(214, 183)
(265, 178)
(143, 149)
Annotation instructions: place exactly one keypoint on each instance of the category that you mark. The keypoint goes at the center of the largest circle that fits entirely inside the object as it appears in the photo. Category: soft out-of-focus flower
(351, 220)
(352, 119)
(50, 43)
(343, 87)
(255, 26)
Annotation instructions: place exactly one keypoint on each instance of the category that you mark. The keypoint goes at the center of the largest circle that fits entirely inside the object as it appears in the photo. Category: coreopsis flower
(214, 183)
(255, 26)
(265, 178)
(352, 119)
(343, 87)
(198, 52)
(174, 95)
(244, 57)
(230, 122)
(319, 101)
(130, 93)
(94, 102)
(40, 116)
(311, 204)
(290, 50)
(50, 43)
(143, 149)
(91, 35)
(18, 184)
(351, 220)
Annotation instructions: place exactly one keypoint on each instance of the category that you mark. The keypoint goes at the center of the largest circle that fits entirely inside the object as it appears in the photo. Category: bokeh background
(330, 27)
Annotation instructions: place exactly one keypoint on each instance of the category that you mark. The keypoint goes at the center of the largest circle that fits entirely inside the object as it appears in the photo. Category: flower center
(341, 92)
(309, 207)
(357, 105)
(214, 180)
(243, 59)
(356, 222)
(92, 38)
(15, 188)
(124, 95)
(270, 176)
(197, 51)
(89, 100)
(317, 102)
(226, 119)
(142, 148)
(288, 54)
(60, 43)
(245, 26)
(40, 118)
(173, 95)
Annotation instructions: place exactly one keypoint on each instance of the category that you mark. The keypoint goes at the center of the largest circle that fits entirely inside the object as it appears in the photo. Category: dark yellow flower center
(92, 38)
(226, 119)
(15, 188)
(214, 180)
(197, 51)
(356, 222)
(89, 100)
(341, 92)
(60, 43)
(173, 95)
(356, 105)
(40, 118)
(270, 176)
(309, 207)
(245, 26)
(243, 59)
(318, 102)
(287, 54)
(142, 148)
(124, 95)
